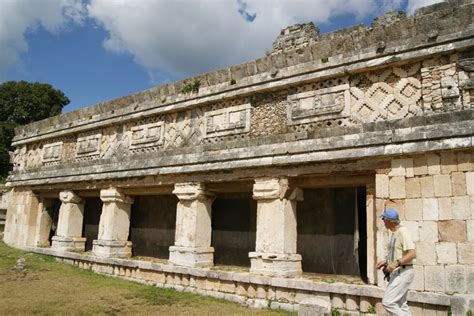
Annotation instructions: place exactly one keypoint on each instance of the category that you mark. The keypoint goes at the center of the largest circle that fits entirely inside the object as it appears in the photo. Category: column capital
(191, 191)
(69, 197)
(114, 195)
(275, 188)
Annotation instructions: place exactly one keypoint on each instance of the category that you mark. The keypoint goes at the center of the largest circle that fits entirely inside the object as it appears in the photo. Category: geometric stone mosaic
(227, 121)
(397, 99)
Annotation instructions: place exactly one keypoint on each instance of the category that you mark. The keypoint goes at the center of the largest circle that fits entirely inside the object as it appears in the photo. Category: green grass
(47, 287)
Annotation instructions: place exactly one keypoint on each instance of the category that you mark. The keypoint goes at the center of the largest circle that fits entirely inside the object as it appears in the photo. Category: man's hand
(380, 264)
(392, 266)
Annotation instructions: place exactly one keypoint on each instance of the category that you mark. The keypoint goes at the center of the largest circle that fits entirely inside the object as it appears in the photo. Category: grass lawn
(47, 287)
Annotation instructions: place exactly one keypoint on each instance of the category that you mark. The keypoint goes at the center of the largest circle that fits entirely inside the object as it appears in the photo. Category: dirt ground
(36, 284)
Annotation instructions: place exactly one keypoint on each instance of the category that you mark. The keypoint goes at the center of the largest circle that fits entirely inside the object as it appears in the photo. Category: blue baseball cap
(389, 214)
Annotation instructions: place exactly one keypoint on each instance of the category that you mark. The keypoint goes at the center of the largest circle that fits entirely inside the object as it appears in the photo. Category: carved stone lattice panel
(111, 144)
(381, 96)
(52, 152)
(183, 128)
(319, 105)
(227, 121)
(19, 158)
(88, 146)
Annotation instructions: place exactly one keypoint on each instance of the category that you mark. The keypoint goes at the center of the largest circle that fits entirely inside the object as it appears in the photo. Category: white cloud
(186, 37)
(415, 4)
(17, 17)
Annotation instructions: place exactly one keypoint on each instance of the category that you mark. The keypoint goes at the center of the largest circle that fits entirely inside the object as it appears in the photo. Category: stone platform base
(199, 257)
(112, 248)
(74, 244)
(275, 264)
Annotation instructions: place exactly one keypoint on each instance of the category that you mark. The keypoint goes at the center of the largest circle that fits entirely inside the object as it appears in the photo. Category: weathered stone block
(434, 278)
(425, 253)
(418, 283)
(430, 209)
(352, 303)
(413, 209)
(427, 186)
(448, 163)
(433, 162)
(470, 230)
(458, 181)
(337, 301)
(461, 207)
(397, 188)
(470, 183)
(442, 185)
(464, 161)
(429, 231)
(456, 279)
(447, 252)
(420, 166)
(453, 230)
(397, 168)
(413, 187)
(470, 279)
(314, 306)
(445, 208)
(466, 252)
(381, 185)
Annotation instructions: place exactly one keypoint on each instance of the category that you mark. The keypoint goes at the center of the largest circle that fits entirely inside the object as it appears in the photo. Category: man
(399, 263)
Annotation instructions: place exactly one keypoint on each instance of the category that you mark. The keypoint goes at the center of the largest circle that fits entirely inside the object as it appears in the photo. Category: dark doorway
(152, 225)
(92, 212)
(53, 206)
(332, 232)
(234, 218)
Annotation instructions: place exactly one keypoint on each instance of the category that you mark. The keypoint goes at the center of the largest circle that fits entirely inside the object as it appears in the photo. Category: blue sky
(97, 50)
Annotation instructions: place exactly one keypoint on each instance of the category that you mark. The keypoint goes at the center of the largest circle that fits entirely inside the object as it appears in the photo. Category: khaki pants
(395, 297)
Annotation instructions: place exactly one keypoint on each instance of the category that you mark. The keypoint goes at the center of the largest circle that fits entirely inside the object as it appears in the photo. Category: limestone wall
(435, 196)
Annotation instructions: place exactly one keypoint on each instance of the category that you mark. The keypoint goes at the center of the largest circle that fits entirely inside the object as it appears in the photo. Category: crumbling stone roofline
(334, 53)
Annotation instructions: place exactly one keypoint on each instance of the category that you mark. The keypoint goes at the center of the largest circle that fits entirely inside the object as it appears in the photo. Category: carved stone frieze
(322, 104)
(52, 152)
(227, 121)
(450, 93)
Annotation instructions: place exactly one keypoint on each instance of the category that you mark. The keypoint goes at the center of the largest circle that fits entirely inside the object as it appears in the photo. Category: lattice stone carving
(52, 152)
(322, 104)
(147, 135)
(227, 121)
(88, 145)
(382, 101)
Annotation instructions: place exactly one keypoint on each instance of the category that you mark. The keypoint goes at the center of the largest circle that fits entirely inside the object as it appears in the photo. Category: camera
(386, 273)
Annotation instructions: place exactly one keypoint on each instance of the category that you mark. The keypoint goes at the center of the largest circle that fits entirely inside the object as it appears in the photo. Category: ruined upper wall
(389, 34)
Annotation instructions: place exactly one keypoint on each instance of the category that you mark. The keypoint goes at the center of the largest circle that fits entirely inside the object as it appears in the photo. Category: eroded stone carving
(319, 105)
(147, 135)
(52, 152)
(88, 145)
(450, 93)
(227, 121)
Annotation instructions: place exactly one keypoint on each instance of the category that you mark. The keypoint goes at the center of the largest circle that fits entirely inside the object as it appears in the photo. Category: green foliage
(191, 87)
(335, 312)
(21, 103)
(371, 310)
(469, 313)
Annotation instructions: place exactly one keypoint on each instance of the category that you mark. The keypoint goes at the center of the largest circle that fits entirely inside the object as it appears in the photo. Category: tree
(21, 103)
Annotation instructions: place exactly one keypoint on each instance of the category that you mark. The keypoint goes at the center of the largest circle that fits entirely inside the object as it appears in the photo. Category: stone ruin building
(263, 183)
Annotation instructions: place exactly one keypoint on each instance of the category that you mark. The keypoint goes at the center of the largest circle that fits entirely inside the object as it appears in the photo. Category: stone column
(192, 245)
(44, 221)
(71, 216)
(275, 250)
(114, 226)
